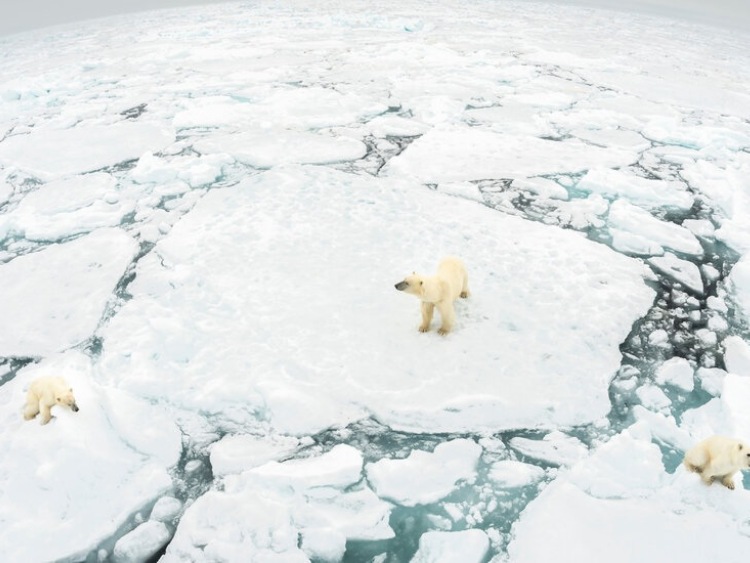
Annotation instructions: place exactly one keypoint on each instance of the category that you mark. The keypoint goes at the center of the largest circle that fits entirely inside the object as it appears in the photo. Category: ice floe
(202, 216)
(66, 465)
(54, 298)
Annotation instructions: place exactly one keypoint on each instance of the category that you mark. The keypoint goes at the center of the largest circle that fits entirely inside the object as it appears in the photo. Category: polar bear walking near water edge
(440, 290)
(718, 458)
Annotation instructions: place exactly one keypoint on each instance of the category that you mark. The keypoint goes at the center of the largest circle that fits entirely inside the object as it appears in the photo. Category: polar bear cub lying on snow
(718, 457)
(46, 392)
(440, 290)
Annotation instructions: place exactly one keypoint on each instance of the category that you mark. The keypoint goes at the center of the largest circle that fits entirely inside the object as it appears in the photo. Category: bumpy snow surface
(203, 213)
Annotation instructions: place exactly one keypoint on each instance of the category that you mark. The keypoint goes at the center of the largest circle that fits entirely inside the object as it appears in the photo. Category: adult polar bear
(718, 458)
(46, 392)
(440, 290)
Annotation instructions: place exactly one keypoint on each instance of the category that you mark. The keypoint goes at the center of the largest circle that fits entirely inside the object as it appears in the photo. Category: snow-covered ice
(203, 213)
(468, 546)
(53, 299)
(57, 475)
(424, 478)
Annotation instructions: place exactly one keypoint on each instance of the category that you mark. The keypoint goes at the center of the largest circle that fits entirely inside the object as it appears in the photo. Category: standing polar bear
(718, 457)
(46, 392)
(440, 290)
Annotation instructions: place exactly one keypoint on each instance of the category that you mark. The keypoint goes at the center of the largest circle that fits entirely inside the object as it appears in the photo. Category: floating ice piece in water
(275, 147)
(466, 546)
(627, 217)
(677, 372)
(737, 355)
(313, 107)
(250, 525)
(659, 337)
(142, 543)
(424, 477)
(323, 544)
(165, 509)
(663, 428)
(543, 187)
(555, 448)
(712, 380)
(340, 467)
(641, 191)
(700, 227)
(450, 153)
(62, 208)
(653, 398)
(631, 243)
(272, 506)
(681, 271)
(192, 291)
(45, 311)
(610, 471)
(237, 453)
(513, 474)
(49, 153)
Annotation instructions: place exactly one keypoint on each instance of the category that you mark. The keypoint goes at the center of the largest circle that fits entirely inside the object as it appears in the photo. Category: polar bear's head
(413, 284)
(743, 455)
(67, 399)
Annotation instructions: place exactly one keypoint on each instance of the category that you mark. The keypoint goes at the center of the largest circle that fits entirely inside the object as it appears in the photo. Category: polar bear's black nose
(74, 407)
(401, 285)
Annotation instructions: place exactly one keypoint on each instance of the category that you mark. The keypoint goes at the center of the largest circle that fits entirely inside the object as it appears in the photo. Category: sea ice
(455, 154)
(238, 452)
(274, 147)
(59, 466)
(737, 355)
(165, 509)
(214, 205)
(711, 379)
(220, 289)
(466, 546)
(513, 474)
(45, 311)
(680, 270)
(622, 492)
(51, 153)
(653, 398)
(556, 448)
(676, 372)
(423, 477)
(627, 217)
(142, 543)
(263, 511)
(67, 207)
(640, 191)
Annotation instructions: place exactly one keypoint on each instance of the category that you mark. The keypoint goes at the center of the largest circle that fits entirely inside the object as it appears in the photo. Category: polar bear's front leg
(31, 409)
(447, 315)
(427, 310)
(727, 481)
(46, 414)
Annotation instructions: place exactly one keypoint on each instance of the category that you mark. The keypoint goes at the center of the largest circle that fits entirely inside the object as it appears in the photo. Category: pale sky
(22, 15)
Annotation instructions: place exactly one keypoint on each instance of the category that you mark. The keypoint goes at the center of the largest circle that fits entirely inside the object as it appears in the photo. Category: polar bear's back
(48, 383)
(453, 271)
(720, 451)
